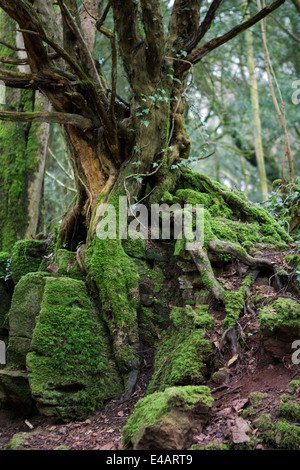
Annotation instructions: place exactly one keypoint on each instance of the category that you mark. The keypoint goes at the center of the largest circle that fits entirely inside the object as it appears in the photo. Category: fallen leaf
(232, 360)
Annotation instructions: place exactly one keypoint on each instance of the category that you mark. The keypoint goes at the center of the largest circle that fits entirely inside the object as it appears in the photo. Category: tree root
(240, 253)
(230, 335)
(203, 265)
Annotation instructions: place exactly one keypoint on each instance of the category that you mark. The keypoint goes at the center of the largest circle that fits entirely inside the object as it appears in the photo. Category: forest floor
(253, 371)
(103, 431)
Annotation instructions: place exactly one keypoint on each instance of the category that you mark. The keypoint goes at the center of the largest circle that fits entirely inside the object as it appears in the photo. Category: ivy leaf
(139, 179)
(146, 123)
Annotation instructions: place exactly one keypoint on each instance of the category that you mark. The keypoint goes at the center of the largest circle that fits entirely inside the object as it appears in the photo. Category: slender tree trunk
(256, 116)
(279, 109)
(23, 153)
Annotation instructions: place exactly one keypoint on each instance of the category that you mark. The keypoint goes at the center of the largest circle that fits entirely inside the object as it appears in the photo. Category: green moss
(255, 399)
(181, 353)
(116, 278)
(135, 245)
(70, 368)
(213, 446)
(280, 434)
(26, 258)
(19, 144)
(240, 207)
(286, 436)
(17, 441)
(25, 307)
(294, 385)
(283, 313)
(152, 408)
(234, 303)
(289, 408)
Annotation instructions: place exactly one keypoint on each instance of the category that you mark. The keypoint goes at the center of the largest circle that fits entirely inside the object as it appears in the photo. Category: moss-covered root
(116, 278)
(237, 251)
(202, 262)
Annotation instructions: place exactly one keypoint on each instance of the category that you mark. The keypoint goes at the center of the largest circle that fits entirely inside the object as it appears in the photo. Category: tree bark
(256, 116)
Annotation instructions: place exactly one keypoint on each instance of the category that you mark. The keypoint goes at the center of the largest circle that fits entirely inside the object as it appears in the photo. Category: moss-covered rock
(168, 420)
(180, 354)
(66, 264)
(280, 434)
(70, 368)
(25, 307)
(279, 326)
(26, 258)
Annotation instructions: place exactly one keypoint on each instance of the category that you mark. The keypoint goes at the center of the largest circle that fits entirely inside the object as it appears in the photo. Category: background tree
(220, 95)
(23, 148)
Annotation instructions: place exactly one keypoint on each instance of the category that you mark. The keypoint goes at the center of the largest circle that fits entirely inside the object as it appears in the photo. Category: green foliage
(284, 204)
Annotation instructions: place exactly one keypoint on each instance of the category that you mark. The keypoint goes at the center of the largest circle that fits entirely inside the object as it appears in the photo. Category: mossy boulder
(168, 420)
(26, 258)
(181, 353)
(25, 307)
(279, 326)
(70, 368)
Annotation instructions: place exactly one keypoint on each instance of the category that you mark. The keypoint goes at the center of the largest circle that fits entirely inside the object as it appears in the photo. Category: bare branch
(9, 46)
(9, 61)
(101, 20)
(195, 38)
(69, 188)
(287, 31)
(184, 21)
(60, 118)
(198, 55)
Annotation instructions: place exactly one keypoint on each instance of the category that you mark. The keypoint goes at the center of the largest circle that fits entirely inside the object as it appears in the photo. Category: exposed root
(230, 335)
(240, 253)
(204, 267)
